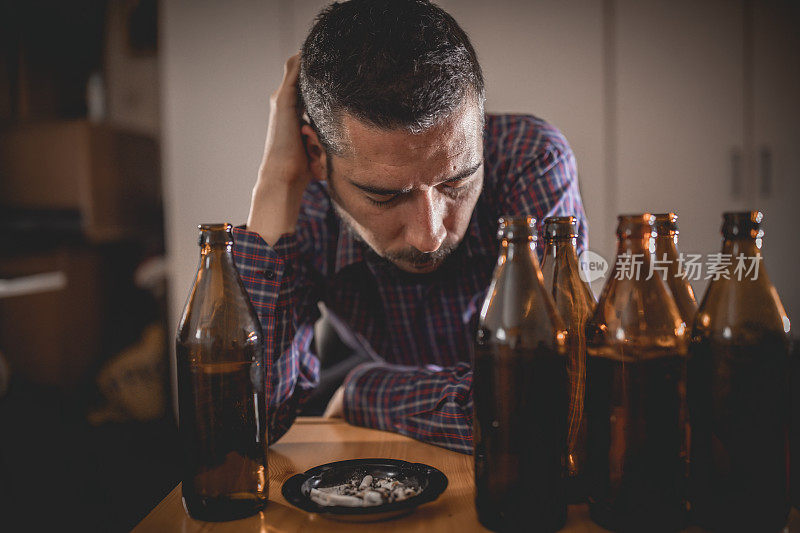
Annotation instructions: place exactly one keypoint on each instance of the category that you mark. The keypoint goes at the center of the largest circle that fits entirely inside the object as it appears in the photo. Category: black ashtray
(428, 479)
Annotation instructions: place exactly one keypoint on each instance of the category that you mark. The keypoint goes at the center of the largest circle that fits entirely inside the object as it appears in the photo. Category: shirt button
(269, 273)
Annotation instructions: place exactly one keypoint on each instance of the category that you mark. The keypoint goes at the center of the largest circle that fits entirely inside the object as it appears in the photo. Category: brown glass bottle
(519, 393)
(635, 394)
(221, 389)
(738, 391)
(575, 303)
(667, 250)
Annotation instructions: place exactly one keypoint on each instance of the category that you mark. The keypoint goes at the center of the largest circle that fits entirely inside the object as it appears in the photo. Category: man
(384, 206)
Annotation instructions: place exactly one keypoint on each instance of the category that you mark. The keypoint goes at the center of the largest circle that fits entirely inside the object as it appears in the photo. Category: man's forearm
(274, 209)
(434, 406)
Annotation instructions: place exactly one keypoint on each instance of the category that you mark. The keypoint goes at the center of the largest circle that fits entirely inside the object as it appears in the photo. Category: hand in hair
(284, 172)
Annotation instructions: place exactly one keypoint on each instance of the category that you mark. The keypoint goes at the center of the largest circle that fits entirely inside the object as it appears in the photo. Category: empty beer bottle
(221, 389)
(575, 303)
(519, 392)
(676, 277)
(635, 393)
(738, 389)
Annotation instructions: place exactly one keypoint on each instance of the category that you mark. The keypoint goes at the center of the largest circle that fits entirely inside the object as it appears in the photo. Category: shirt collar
(349, 250)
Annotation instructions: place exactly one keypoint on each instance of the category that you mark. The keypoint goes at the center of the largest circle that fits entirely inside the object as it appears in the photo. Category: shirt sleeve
(285, 302)
(543, 180)
(430, 404)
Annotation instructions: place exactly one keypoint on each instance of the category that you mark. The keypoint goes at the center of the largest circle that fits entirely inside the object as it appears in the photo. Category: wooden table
(314, 441)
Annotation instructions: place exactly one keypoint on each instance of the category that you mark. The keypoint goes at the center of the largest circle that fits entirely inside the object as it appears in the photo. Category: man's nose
(425, 229)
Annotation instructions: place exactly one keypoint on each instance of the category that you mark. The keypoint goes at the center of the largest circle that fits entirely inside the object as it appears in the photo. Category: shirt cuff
(263, 268)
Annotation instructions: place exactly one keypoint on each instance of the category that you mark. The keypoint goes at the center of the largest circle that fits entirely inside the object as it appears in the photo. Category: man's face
(410, 196)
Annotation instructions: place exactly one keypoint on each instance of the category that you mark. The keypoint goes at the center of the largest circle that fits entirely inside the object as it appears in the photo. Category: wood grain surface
(314, 441)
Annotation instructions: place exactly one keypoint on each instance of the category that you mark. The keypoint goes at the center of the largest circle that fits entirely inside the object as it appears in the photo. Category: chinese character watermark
(659, 265)
(690, 267)
(629, 266)
(718, 266)
(752, 270)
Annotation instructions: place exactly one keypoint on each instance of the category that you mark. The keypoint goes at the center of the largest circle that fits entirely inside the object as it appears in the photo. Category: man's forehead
(457, 136)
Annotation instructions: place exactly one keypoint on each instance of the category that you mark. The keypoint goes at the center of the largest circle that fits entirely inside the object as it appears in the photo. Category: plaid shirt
(417, 329)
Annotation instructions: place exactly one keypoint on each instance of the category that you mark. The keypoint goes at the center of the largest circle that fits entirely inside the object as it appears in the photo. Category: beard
(414, 257)
(409, 256)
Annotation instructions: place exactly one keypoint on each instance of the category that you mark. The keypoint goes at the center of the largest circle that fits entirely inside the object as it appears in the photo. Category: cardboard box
(111, 177)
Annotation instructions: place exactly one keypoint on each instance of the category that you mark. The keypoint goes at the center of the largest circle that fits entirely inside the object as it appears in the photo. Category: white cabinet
(776, 141)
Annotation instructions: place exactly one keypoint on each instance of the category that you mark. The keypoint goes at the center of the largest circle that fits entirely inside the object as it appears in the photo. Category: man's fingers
(292, 64)
(286, 95)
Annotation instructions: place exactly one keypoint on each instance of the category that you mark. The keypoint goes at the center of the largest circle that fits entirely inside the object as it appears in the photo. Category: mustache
(415, 257)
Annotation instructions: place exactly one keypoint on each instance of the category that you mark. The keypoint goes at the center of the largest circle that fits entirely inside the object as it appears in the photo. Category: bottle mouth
(666, 224)
(560, 227)
(516, 227)
(635, 226)
(215, 233)
(742, 224)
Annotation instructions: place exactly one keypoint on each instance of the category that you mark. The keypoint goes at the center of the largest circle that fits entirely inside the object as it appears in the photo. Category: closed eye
(378, 197)
(457, 183)
(383, 202)
(452, 186)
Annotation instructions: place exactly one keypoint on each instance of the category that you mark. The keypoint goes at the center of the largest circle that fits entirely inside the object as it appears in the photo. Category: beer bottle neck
(746, 246)
(667, 244)
(219, 255)
(635, 234)
(512, 249)
(562, 250)
(216, 245)
(635, 244)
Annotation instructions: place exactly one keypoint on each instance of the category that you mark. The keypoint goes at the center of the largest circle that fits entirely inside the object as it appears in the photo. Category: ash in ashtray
(365, 492)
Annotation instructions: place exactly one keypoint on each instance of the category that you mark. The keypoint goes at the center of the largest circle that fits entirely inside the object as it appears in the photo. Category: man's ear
(317, 158)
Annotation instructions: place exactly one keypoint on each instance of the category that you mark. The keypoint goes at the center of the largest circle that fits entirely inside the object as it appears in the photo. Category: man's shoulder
(521, 136)
(524, 153)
